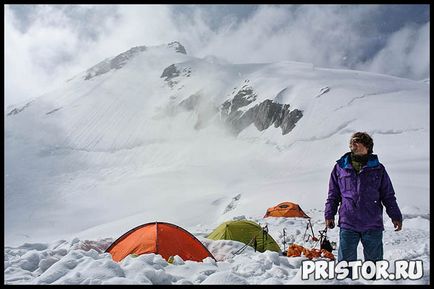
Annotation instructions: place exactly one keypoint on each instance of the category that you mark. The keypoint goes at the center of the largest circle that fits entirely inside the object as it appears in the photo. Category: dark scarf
(358, 161)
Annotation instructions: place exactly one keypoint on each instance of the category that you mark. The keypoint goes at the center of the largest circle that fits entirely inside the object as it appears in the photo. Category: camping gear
(160, 238)
(296, 251)
(286, 209)
(309, 225)
(247, 232)
(324, 241)
(284, 240)
(325, 250)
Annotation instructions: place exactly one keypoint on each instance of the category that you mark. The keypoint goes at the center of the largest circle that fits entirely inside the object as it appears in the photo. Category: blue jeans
(372, 242)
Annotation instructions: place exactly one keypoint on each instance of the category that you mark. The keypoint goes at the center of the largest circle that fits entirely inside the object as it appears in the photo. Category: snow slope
(99, 156)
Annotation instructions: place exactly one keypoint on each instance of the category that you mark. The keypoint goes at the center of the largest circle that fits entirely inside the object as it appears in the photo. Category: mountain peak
(120, 60)
(113, 63)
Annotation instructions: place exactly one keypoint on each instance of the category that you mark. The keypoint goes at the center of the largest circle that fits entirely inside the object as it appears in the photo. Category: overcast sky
(47, 44)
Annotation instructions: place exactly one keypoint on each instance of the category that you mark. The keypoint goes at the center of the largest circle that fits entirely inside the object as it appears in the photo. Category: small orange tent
(286, 209)
(160, 238)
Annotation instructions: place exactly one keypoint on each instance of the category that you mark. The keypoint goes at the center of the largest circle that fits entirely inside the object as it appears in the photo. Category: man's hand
(330, 223)
(397, 224)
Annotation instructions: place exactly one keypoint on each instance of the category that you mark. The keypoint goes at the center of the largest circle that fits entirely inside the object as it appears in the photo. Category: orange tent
(286, 209)
(160, 238)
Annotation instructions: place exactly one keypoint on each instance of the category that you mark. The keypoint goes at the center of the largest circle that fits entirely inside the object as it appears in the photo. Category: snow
(93, 159)
(81, 261)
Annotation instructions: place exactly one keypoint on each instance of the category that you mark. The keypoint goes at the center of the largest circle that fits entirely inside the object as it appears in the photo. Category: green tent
(245, 231)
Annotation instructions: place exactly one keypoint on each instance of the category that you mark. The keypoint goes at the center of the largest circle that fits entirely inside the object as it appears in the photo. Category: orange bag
(313, 253)
(327, 254)
(296, 251)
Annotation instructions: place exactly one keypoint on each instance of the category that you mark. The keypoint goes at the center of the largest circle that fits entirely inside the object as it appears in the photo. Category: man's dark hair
(365, 139)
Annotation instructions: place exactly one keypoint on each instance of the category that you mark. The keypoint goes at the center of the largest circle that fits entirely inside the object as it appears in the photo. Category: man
(360, 186)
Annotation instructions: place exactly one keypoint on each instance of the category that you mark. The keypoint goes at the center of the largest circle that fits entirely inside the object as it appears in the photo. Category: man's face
(357, 148)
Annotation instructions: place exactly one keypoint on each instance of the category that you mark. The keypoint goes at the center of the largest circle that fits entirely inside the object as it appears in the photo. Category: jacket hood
(345, 161)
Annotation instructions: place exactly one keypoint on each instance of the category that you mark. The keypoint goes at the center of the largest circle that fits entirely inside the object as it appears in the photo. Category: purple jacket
(361, 196)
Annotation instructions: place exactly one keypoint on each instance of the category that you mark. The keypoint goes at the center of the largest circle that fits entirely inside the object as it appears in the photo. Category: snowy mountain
(154, 134)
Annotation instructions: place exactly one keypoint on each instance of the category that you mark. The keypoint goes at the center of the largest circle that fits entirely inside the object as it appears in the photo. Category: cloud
(406, 53)
(41, 53)
(335, 36)
(48, 44)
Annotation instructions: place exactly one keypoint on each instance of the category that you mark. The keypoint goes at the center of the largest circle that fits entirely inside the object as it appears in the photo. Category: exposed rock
(243, 98)
(120, 60)
(262, 115)
(290, 119)
(178, 47)
(18, 110)
(233, 204)
(323, 90)
(267, 113)
(114, 63)
(53, 111)
(170, 72)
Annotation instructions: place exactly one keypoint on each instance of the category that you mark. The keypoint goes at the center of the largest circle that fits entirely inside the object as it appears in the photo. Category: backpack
(325, 243)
